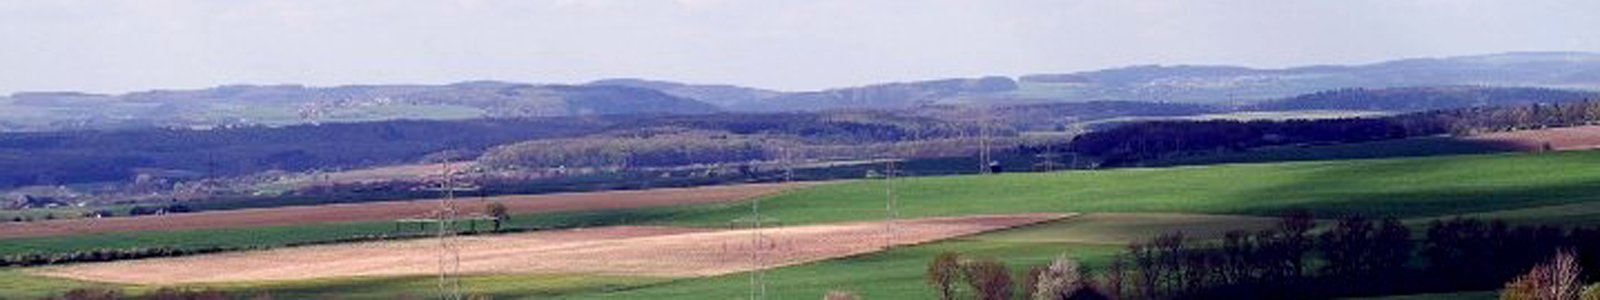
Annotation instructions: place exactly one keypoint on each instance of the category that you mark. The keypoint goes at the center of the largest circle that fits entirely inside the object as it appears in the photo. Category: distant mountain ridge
(1191, 84)
(1230, 84)
(1197, 84)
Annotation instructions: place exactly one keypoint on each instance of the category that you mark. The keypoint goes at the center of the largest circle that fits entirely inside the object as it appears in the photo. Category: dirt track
(390, 210)
(625, 250)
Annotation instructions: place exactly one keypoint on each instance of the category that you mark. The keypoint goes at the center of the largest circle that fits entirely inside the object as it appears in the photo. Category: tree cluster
(1354, 257)
(632, 151)
(990, 279)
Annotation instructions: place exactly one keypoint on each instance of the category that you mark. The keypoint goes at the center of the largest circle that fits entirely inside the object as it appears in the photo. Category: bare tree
(1296, 242)
(1030, 280)
(990, 278)
(1115, 276)
(1060, 281)
(499, 212)
(943, 273)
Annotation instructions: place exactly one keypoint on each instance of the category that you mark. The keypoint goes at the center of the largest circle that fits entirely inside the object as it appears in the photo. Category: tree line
(1132, 143)
(1355, 256)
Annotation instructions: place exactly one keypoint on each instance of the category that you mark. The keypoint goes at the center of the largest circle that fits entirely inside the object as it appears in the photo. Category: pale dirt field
(621, 250)
(391, 210)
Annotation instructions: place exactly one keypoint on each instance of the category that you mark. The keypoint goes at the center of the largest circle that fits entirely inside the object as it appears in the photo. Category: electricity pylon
(891, 211)
(449, 252)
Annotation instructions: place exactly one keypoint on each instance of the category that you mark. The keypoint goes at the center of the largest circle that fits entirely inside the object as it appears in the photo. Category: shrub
(1591, 293)
(840, 295)
(91, 294)
(168, 293)
(1554, 280)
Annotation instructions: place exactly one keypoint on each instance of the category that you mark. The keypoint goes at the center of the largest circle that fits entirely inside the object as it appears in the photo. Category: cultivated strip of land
(383, 211)
(1566, 138)
(621, 250)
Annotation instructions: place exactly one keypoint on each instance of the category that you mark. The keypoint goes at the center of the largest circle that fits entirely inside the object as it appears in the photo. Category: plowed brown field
(390, 210)
(625, 250)
(1570, 138)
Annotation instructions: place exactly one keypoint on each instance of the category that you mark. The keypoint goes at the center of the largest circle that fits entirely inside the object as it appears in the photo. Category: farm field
(386, 211)
(1404, 188)
(616, 251)
(1565, 138)
(1119, 205)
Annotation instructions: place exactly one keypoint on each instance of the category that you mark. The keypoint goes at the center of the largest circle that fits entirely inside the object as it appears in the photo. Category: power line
(759, 244)
(449, 252)
(891, 211)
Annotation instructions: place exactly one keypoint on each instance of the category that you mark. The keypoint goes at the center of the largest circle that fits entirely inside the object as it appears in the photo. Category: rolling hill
(278, 105)
(1196, 84)
(727, 96)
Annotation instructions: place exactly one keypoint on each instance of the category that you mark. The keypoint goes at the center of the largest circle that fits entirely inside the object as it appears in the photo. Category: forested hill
(88, 156)
(52, 158)
(279, 105)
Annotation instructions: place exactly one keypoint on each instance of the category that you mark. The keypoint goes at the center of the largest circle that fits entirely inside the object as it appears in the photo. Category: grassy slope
(15, 284)
(1401, 187)
(1412, 147)
(1509, 185)
(892, 274)
(1421, 187)
(1416, 188)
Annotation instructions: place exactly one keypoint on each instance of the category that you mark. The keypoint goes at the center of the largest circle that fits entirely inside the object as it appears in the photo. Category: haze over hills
(293, 104)
(1225, 85)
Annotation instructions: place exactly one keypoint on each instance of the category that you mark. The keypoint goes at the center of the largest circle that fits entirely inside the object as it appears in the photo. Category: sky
(119, 46)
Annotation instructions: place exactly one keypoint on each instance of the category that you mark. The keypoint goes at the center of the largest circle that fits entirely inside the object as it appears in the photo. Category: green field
(1411, 147)
(1406, 188)
(1555, 188)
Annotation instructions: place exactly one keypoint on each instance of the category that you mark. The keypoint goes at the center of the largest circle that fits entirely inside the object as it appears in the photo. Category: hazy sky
(115, 46)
